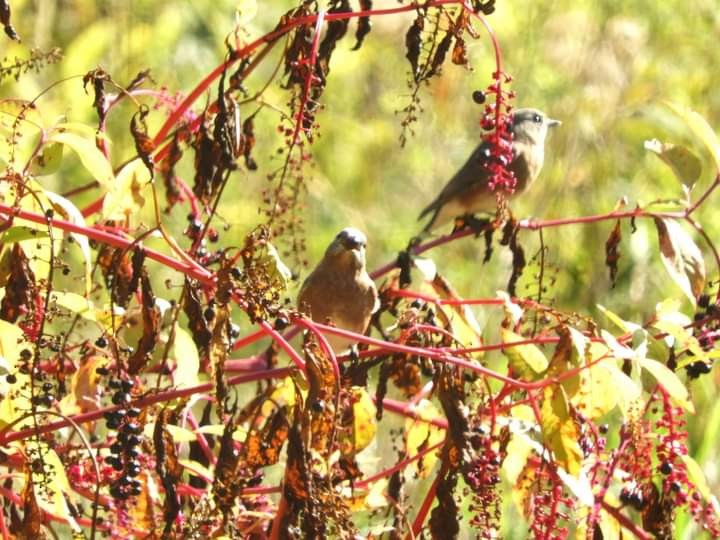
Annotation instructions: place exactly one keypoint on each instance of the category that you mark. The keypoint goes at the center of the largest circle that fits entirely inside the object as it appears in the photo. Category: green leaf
(686, 165)
(669, 381)
(700, 128)
(20, 234)
(681, 257)
(92, 159)
(48, 161)
(527, 361)
(71, 213)
(696, 476)
(625, 326)
(126, 196)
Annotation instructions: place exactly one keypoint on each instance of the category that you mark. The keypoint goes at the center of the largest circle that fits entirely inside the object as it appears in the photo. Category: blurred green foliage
(603, 67)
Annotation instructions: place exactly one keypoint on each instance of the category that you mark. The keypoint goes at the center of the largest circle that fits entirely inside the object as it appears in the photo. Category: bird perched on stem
(340, 289)
(469, 191)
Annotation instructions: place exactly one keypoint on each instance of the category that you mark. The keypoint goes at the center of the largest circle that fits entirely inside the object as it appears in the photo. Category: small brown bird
(468, 192)
(340, 289)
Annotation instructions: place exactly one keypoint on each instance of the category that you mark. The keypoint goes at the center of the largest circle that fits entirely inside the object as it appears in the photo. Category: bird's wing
(471, 173)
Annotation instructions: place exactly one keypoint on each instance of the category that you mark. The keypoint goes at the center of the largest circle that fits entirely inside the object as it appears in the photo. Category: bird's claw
(475, 224)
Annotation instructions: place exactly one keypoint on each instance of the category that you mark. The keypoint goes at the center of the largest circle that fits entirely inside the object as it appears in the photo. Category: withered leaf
(5, 20)
(413, 43)
(167, 467)
(440, 53)
(444, 518)
(322, 392)
(117, 271)
(364, 25)
(151, 326)
(20, 288)
(143, 142)
(459, 54)
(97, 77)
(167, 167)
(196, 322)
(248, 142)
(336, 29)
(31, 527)
(225, 486)
(612, 251)
(510, 239)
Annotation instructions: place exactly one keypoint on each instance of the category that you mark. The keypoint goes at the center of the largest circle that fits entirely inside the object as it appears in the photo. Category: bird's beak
(552, 123)
(352, 243)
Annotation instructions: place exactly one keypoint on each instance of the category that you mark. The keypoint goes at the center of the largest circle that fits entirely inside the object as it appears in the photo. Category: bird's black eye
(537, 119)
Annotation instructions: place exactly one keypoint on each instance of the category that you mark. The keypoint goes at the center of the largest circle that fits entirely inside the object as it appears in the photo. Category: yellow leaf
(527, 361)
(187, 359)
(92, 159)
(560, 432)
(84, 396)
(420, 435)
(364, 424)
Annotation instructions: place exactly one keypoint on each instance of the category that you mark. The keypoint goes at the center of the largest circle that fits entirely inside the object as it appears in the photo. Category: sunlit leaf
(420, 434)
(700, 128)
(92, 159)
(71, 213)
(48, 160)
(50, 482)
(126, 196)
(187, 359)
(696, 476)
(196, 468)
(513, 312)
(681, 257)
(527, 361)
(625, 326)
(20, 234)
(462, 320)
(670, 382)
(84, 395)
(560, 432)
(364, 424)
(685, 164)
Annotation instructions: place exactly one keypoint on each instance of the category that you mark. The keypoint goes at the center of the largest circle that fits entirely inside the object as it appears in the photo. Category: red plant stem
(407, 409)
(270, 37)
(398, 466)
(146, 401)
(3, 527)
(294, 356)
(200, 437)
(434, 354)
(299, 117)
(247, 340)
(194, 271)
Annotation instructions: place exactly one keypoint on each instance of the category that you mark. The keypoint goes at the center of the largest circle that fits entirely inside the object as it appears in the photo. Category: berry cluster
(482, 476)
(497, 122)
(706, 330)
(124, 452)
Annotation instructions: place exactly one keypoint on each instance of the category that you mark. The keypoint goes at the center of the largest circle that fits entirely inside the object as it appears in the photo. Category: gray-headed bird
(468, 191)
(340, 289)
